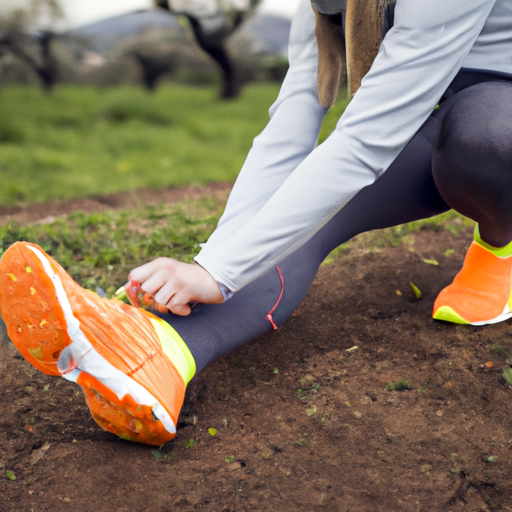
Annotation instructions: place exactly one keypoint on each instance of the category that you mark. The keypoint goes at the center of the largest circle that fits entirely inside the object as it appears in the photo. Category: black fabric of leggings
(404, 193)
(472, 158)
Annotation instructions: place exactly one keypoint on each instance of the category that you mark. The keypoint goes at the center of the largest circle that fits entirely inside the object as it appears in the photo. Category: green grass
(100, 249)
(82, 140)
(374, 241)
(399, 385)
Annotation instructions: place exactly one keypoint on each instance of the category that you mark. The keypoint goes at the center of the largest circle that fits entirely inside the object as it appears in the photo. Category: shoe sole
(41, 323)
(448, 314)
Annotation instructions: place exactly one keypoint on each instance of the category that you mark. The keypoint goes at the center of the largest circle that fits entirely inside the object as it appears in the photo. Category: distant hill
(268, 33)
(103, 34)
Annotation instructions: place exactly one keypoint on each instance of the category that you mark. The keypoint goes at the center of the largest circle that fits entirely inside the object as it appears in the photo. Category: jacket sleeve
(417, 60)
(290, 135)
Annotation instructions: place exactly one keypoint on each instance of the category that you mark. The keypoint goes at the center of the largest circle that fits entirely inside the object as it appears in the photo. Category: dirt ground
(303, 418)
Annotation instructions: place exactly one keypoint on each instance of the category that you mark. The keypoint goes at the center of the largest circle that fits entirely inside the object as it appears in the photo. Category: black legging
(472, 170)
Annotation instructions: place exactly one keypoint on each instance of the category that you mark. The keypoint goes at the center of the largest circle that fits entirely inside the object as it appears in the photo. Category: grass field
(100, 249)
(82, 140)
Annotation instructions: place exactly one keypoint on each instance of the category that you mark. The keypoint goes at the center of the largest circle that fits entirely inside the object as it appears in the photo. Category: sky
(81, 12)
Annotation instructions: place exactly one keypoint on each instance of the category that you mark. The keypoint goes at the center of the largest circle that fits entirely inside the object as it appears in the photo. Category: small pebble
(234, 466)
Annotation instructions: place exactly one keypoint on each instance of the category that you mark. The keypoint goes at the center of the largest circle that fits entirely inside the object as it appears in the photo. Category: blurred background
(144, 42)
(105, 96)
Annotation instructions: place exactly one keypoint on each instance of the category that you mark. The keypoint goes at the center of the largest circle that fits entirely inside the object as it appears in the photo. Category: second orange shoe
(480, 293)
(133, 367)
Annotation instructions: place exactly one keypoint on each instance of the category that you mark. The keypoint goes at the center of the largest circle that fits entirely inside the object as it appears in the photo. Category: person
(428, 130)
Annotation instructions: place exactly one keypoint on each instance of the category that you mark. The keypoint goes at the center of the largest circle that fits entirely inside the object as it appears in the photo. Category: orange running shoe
(132, 366)
(480, 294)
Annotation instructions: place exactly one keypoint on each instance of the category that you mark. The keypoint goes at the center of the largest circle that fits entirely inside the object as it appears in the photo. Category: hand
(174, 284)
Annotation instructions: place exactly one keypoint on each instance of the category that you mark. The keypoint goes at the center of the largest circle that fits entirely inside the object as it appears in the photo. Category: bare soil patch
(45, 212)
(341, 443)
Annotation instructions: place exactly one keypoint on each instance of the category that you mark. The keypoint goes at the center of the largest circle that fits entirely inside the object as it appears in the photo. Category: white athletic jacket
(288, 188)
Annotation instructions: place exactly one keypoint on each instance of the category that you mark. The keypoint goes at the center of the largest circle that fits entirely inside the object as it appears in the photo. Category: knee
(475, 135)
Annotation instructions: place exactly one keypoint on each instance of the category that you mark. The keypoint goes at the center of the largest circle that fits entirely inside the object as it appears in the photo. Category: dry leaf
(39, 453)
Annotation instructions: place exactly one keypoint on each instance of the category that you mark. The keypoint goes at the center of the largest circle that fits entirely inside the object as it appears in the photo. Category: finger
(181, 309)
(166, 292)
(154, 283)
(144, 272)
(179, 306)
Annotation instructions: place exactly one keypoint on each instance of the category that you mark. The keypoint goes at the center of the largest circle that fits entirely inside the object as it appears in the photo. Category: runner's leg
(472, 166)
(472, 160)
(405, 192)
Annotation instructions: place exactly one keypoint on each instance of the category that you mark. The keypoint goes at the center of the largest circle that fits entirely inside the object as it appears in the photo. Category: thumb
(180, 309)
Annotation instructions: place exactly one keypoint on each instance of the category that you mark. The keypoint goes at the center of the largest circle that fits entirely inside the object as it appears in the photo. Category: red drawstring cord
(269, 315)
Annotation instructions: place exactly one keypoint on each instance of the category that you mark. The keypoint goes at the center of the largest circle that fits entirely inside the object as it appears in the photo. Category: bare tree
(153, 67)
(21, 36)
(212, 22)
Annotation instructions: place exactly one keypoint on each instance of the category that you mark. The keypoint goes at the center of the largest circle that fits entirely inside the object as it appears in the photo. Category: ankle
(501, 249)
(175, 348)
